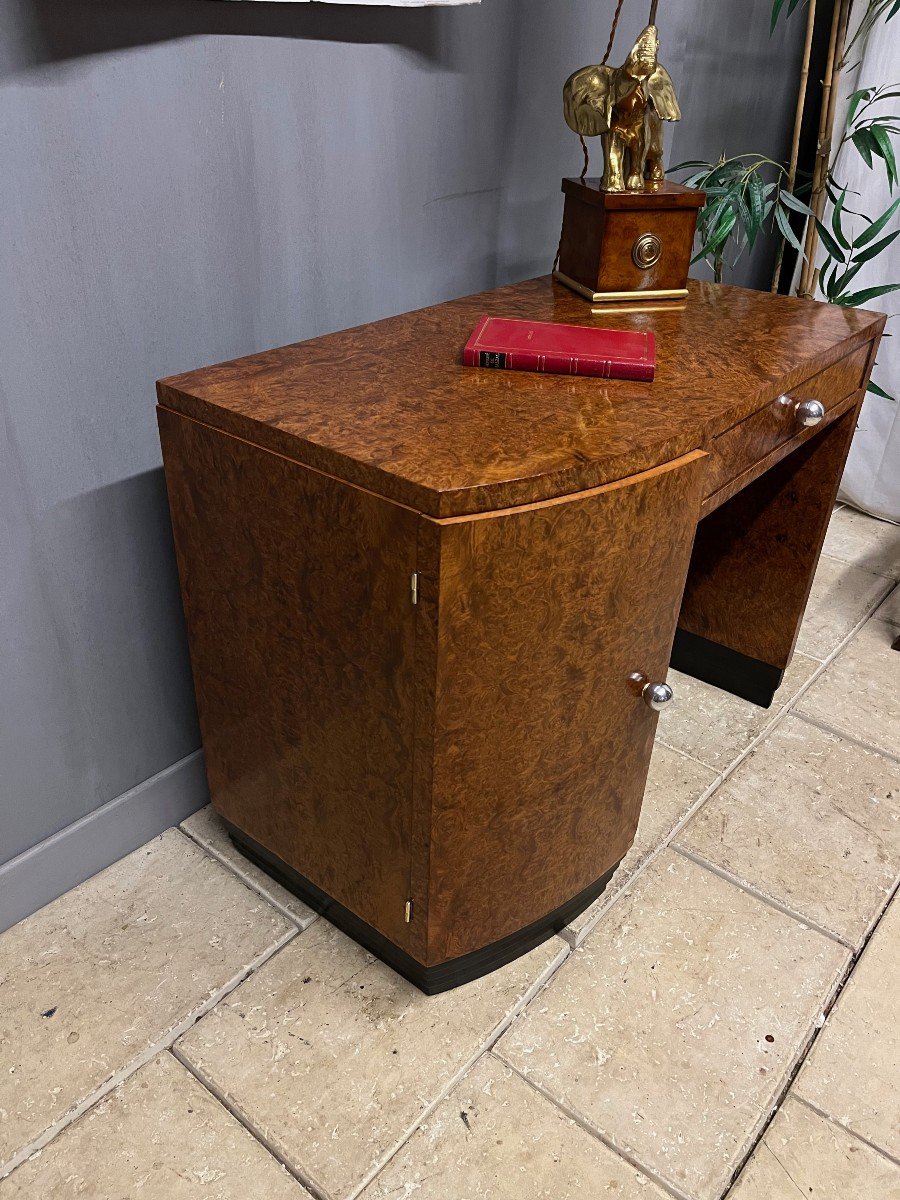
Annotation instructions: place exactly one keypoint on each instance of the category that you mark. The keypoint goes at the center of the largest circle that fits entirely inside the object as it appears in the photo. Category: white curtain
(872, 479)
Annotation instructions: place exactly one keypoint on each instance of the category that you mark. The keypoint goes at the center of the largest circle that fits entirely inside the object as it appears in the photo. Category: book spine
(560, 364)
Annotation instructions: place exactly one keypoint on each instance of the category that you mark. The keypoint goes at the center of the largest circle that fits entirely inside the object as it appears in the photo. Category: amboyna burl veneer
(427, 604)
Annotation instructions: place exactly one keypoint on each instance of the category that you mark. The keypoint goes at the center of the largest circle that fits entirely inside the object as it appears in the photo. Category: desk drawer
(745, 444)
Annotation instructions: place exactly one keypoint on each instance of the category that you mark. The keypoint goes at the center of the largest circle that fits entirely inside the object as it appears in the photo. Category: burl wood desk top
(389, 406)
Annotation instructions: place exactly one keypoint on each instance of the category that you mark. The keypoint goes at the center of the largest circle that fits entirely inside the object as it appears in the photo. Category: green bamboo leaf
(828, 242)
(757, 199)
(722, 231)
(862, 141)
(743, 214)
(836, 220)
(874, 387)
(781, 220)
(855, 100)
(856, 298)
(876, 227)
(776, 9)
(886, 151)
(874, 251)
(829, 280)
(843, 281)
(792, 202)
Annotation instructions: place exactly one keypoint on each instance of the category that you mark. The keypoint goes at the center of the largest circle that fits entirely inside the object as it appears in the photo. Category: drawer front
(739, 448)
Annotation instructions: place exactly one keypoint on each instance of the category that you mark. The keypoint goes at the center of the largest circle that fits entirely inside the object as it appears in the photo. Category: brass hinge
(414, 592)
(407, 912)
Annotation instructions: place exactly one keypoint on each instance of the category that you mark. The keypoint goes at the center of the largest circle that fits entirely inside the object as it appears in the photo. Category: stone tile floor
(722, 1022)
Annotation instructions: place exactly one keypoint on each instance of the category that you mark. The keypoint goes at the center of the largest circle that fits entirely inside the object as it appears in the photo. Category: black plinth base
(726, 669)
(431, 980)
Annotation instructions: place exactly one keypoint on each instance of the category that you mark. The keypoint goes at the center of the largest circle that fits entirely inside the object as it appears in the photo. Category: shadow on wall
(53, 32)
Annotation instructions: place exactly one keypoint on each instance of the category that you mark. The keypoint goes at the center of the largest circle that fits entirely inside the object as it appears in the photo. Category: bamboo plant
(749, 191)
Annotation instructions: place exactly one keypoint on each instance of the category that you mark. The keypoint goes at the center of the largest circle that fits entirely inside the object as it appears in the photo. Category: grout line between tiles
(575, 939)
(574, 1115)
(141, 1060)
(251, 1127)
(248, 881)
(790, 708)
(826, 727)
(487, 1045)
(791, 1075)
(859, 1137)
(661, 741)
(722, 872)
(717, 783)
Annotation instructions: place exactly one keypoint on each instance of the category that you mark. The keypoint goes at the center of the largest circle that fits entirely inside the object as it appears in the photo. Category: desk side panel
(541, 744)
(296, 590)
(753, 565)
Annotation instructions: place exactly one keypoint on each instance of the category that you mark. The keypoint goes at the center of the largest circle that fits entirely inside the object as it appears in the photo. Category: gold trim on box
(637, 294)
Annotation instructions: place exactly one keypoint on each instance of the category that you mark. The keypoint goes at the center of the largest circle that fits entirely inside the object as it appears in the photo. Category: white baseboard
(37, 876)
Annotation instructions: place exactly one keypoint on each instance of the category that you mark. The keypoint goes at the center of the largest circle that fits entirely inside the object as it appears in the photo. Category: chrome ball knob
(657, 695)
(810, 412)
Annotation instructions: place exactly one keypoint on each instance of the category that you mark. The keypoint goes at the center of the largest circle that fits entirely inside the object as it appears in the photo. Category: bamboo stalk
(798, 126)
(826, 129)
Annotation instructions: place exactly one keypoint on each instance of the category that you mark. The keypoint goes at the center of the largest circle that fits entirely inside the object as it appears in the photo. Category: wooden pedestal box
(618, 244)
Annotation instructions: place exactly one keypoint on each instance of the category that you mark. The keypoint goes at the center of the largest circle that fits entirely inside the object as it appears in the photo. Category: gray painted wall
(185, 181)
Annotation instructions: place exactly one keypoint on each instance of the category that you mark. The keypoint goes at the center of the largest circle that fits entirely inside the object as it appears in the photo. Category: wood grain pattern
(541, 745)
(755, 556)
(482, 752)
(600, 228)
(391, 408)
(302, 641)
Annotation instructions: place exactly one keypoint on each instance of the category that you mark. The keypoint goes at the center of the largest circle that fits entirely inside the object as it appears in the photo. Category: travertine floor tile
(336, 1056)
(206, 828)
(160, 1136)
(494, 1136)
(674, 784)
(853, 1071)
(860, 692)
(890, 609)
(716, 727)
(802, 1154)
(853, 537)
(673, 1027)
(840, 597)
(812, 821)
(93, 980)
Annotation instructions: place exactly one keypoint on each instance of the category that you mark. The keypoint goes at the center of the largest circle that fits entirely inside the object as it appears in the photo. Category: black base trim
(724, 668)
(430, 980)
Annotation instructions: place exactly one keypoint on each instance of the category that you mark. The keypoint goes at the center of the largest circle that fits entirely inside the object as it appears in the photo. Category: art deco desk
(424, 600)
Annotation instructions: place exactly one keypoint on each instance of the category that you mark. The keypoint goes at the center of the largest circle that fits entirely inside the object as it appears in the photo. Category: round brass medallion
(646, 251)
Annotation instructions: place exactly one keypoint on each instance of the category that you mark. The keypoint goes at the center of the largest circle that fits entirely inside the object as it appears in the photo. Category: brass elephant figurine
(626, 106)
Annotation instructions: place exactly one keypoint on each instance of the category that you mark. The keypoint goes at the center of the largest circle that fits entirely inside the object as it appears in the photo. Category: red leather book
(562, 349)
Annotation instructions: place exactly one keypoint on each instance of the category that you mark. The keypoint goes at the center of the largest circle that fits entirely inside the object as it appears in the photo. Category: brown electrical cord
(609, 46)
(584, 169)
(612, 33)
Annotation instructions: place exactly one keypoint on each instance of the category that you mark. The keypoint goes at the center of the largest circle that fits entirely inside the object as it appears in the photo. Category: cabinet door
(541, 744)
(296, 589)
